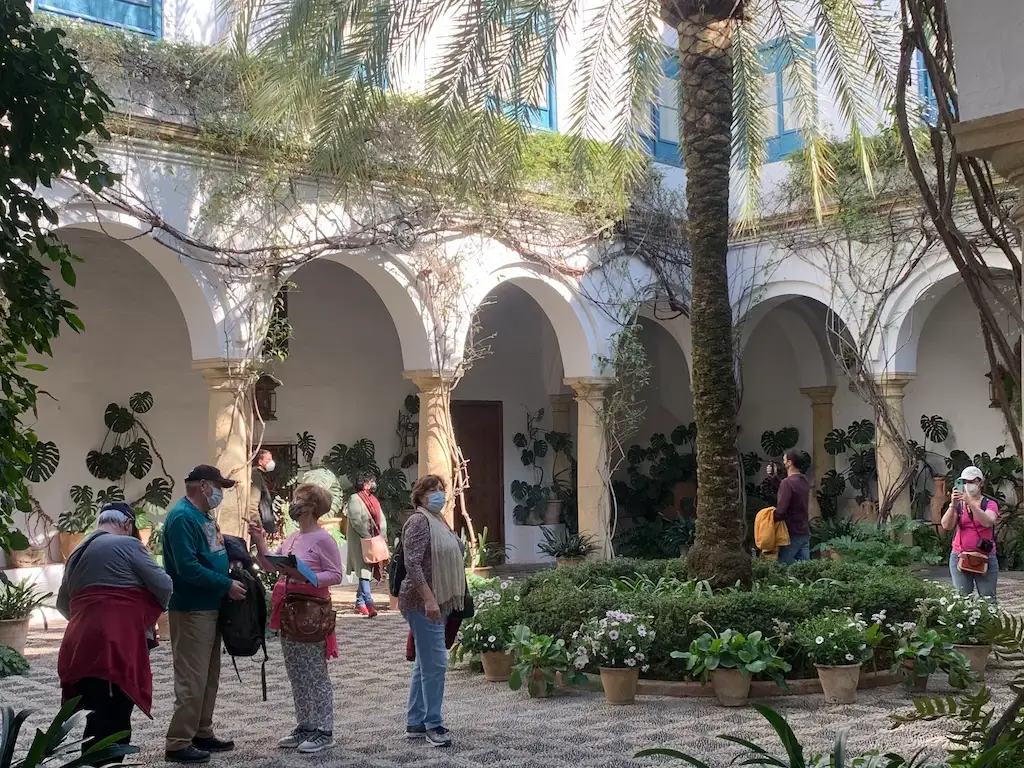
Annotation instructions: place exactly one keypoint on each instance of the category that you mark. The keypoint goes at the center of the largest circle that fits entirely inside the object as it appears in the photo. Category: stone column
(821, 425)
(228, 446)
(591, 459)
(434, 448)
(891, 387)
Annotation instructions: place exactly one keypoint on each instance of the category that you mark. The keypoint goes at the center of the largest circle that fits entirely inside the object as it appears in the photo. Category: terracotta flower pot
(567, 562)
(14, 633)
(731, 686)
(619, 684)
(977, 657)
(918, 683)
(497, 666)
(32, 557)
(544, 690)
(484, 572)
(839, 684)
(553, 512)
(163, 628)
(68, 542)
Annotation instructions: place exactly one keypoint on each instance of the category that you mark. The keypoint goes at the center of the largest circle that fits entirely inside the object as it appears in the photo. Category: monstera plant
(857, 443)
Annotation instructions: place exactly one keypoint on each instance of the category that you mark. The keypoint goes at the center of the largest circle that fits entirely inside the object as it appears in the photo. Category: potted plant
(29, 551)
(540, 502)
(567, 548)
(73, 524)
(923, 651)
(619, 644)
(481, 558)
(838, 645)
(730, 660)
(966, 621)
(489, 635)
(17, 601)
(538, 659)
(144, 524)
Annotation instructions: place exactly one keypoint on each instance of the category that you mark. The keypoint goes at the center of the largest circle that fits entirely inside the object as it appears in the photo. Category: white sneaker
(294, 739)
(317, 741)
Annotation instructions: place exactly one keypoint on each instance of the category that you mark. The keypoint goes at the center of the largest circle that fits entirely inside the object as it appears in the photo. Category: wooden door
(479, 429)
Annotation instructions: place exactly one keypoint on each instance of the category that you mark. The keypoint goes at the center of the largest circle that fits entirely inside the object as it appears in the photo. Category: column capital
(221, 372)
(427, 380)
(893, 384)
(819, 395)
(590, 387)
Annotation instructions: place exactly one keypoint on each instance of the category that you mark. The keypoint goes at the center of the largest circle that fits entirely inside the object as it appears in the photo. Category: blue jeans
(426, 689)
(797, 551)
(967, 582)
(363, 596)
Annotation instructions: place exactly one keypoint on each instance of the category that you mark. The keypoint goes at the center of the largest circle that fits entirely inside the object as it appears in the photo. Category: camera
(985, 545)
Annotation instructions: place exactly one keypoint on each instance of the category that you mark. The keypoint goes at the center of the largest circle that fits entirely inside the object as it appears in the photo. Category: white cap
(971, 473)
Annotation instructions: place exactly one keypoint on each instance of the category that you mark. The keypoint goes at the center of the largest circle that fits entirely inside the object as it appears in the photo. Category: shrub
(751, 654)
(964, 619)
(490, 629)
(12, 662)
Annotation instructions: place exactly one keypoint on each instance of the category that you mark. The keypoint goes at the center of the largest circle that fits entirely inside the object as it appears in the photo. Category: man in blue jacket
(197, 561)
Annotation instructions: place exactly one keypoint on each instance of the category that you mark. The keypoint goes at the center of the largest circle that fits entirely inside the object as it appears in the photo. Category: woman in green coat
(365, 520)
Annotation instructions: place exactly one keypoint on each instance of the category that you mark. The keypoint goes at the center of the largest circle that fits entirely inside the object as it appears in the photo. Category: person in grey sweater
(112, 594)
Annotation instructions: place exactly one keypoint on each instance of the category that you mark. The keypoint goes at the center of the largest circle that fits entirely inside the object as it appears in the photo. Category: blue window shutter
(925, 91)
(665, 150)
(143, 16)
(782, 141)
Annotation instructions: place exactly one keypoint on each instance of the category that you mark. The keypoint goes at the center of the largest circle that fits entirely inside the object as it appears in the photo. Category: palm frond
(784, 23)
(749, 145)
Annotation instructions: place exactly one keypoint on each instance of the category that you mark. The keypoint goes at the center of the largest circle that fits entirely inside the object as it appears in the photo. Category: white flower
(632, 649)
(575, 634)
(641, 630)
(630, 662)
(613, 635)
(819, 639)
(505, 584)
(640, 657)
(645, 667)
(516, 598)
(491, 639)
(849, 657)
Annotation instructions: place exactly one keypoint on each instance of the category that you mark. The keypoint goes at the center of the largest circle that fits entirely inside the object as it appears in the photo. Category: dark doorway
(479, 428)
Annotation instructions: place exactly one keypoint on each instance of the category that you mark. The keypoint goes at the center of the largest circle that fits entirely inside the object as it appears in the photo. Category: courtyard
(492, 725)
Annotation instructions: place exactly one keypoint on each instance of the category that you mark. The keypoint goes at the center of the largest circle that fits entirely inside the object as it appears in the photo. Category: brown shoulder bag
(306, 618)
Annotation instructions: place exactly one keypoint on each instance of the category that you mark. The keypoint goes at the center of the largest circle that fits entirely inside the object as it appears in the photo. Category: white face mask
(271, 466)
(973, 489)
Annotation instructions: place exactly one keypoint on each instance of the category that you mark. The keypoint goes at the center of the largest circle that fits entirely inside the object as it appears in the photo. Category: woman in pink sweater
(306, 663)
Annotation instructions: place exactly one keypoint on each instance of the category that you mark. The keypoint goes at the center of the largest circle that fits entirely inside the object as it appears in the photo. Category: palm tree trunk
(705, 72)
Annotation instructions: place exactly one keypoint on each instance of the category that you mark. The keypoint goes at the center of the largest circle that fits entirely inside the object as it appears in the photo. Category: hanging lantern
(265, 398)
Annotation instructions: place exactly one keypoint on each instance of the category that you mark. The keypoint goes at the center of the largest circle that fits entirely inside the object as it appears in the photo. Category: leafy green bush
(557, 602)
(12, 662)
(835, 639)
(751, 654)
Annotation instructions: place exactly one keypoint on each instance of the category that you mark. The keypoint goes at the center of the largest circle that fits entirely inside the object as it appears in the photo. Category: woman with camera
(972, 564)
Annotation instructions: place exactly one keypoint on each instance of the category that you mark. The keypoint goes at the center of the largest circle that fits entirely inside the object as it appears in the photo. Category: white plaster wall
(342, 380)
(514, 372)
(135, 339)
(771, 389)
(668, 398)
(951, 379)
(989, 55)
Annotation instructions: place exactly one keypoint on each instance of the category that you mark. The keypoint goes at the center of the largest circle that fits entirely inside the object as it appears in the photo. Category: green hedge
(557, 602)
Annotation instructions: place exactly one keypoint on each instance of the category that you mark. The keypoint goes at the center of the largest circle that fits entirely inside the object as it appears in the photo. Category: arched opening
(342, 384)
(516, 387)
(656, 484)
(136, 339)
(941, 342)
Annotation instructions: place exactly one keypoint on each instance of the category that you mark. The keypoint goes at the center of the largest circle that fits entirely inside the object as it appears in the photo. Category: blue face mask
(435, 501)
(215, 498)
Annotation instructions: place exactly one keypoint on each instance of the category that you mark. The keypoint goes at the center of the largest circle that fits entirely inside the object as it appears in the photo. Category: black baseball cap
(121, 506)
(211, 475)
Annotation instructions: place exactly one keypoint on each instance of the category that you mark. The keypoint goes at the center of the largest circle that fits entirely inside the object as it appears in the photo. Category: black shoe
(189, 754)
(415, 731)
(213, 744)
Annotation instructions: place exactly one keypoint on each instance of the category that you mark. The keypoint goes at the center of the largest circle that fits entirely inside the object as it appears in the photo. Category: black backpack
(243, 623)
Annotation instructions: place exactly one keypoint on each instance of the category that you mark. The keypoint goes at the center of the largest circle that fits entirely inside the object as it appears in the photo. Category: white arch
(578, 337)
(396, 288)
(894, 348)
(195, 305)
(679, 329)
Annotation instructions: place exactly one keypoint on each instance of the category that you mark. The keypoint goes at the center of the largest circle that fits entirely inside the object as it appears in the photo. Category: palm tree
(324, 61)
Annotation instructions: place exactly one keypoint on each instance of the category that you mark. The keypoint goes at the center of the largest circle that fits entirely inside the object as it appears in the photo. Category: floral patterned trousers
(306, 665)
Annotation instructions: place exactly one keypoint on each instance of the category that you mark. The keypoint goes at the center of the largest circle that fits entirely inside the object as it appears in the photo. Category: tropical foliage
(18, 599)
(50, 105)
